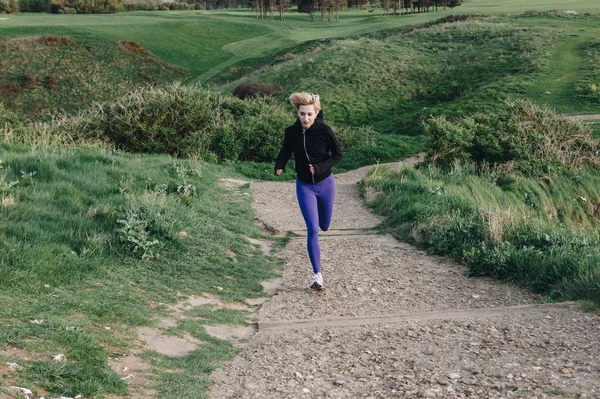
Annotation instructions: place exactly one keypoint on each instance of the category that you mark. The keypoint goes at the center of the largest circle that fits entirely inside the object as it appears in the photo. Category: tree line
(330, 9)
(265, 9)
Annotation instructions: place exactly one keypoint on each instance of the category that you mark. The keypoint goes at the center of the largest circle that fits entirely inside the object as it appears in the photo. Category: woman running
(316, 151)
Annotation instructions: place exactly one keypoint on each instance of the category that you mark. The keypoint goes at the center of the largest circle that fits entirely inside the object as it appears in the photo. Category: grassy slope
(188, 40)
(567, 62)
(205, 42)
(63, 260)
(67, 77)
(396, 80)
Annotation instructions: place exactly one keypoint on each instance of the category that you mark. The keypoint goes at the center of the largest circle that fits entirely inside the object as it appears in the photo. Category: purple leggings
(316, 204)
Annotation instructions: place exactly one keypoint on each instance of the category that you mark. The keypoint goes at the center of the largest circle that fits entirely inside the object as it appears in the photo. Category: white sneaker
(317, 282)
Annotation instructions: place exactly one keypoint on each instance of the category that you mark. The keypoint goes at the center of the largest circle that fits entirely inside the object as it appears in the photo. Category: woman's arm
(336, 154)
(285, 153)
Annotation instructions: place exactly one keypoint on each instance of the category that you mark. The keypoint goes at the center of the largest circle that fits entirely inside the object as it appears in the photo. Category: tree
(13, 6)
(272, 4)
(307, 6)
(283, 6)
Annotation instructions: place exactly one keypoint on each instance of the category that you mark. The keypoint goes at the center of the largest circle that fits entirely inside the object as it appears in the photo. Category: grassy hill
(209, 43)
(43, 76)
(392, 80)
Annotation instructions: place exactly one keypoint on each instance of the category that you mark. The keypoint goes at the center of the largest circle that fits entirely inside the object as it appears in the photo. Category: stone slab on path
(510, 356)
(378, 275)
(505, 352)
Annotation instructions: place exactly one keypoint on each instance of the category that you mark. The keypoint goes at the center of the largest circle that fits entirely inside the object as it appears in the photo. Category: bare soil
(396, 322)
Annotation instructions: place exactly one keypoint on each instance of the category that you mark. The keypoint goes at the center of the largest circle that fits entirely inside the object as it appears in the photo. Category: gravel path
(405, 324)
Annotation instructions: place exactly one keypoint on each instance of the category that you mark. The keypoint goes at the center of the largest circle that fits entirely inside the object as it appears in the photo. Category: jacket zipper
(306, 152)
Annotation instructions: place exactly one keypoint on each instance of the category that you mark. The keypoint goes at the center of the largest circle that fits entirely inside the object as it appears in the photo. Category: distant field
(207, 42)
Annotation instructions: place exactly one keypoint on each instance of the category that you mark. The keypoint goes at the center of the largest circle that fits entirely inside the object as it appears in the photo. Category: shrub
(523, 136)
(173, 120)
(143, 223)
(34, 5)
(139, 7)
(249, 90)
(258, 127)
(190, 121)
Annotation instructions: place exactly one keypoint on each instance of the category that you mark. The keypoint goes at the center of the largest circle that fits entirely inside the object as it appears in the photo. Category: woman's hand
(278, 171)
(311, 168)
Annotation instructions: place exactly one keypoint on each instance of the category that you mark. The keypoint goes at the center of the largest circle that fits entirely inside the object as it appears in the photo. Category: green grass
(392, 82)
(543, 236)
(571, 68)
(89, 238)
(221, 43)
(65, 258)
(43, 78)
(202, 42)
(596, 129)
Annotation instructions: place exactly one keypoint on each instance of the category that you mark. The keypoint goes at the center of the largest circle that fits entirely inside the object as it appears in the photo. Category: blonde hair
(304, 98)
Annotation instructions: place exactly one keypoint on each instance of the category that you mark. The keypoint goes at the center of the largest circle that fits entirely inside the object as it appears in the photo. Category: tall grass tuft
(539, 235)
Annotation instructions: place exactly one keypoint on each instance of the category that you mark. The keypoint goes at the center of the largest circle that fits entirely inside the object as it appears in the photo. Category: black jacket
(317, 146)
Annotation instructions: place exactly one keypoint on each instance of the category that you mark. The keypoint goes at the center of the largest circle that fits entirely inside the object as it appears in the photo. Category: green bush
(190, 121)
(173, 120)
(259, 126)
(248, 90)
(524, 137)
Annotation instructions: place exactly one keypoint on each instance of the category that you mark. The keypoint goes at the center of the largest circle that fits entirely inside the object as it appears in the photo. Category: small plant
(143, 223)
(6, 186)
(135, 234)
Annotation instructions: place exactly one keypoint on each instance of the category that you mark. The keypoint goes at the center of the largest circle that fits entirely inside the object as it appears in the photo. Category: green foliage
(522, 137)
(249, 90)
(545, 258)
(7, 117)
(539, 234)
(34, 5)
(191, 121)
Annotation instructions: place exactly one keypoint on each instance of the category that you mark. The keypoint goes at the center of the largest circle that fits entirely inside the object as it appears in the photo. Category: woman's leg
(307, 199)
(325, 198)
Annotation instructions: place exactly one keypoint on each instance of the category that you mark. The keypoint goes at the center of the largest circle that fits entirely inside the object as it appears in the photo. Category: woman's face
(307, 115)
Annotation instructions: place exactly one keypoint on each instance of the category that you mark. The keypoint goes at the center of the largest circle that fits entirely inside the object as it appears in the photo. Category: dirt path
(396, 322)
(582, 118)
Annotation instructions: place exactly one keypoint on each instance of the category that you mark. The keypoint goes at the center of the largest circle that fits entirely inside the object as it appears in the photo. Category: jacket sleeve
(336, 154)
(286, 151)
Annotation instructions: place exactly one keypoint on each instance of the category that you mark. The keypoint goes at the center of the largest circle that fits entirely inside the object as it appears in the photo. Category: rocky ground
(395, 322)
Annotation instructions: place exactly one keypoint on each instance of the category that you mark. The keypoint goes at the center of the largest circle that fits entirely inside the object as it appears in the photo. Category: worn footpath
(396, 322)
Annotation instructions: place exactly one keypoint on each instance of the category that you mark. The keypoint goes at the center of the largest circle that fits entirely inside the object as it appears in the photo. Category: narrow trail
(396, 322)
